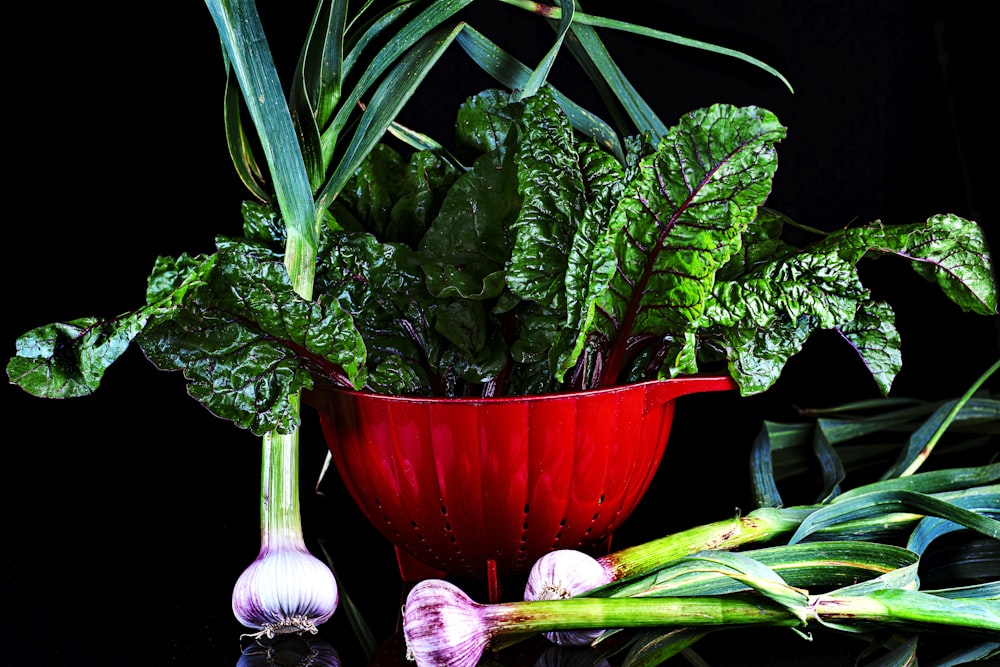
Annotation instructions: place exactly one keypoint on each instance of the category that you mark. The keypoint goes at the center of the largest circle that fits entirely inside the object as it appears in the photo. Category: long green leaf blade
(515, 75)
(243, 36)
(601, 22)
(392, 94)
(885, 502)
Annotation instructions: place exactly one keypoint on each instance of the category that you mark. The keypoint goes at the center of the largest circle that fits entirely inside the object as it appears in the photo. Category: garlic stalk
(566, 573)
(286, 589)
(444, 627)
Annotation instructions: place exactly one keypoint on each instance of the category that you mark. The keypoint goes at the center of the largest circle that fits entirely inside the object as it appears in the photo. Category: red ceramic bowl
(479, 488)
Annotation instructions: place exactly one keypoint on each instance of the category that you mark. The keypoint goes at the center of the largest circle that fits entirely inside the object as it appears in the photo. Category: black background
(129, 514)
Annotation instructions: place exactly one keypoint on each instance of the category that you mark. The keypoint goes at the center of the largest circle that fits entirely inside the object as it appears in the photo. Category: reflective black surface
(130, 514)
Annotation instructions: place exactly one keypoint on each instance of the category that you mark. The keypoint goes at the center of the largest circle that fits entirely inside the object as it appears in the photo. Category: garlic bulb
(285, 589)
(562, 574)
(443, 626)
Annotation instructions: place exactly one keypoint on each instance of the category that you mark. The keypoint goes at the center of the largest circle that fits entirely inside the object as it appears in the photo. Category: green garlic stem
(444, 627)
(280, 511)
(582, 613)
(758, 526)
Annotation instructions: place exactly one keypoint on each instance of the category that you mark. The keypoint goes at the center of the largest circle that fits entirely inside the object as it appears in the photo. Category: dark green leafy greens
(544, 264)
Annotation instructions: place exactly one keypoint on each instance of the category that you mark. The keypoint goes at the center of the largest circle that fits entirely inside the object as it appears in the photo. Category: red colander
(483, 487)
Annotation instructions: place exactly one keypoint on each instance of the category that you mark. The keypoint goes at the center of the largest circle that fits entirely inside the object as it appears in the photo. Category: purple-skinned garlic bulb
(285, 589)
(562, 574)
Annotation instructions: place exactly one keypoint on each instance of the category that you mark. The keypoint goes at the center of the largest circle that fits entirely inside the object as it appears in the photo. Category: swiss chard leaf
(946, 249)
(546, 265)
(562, 257)
(395, 199)
(381, 286)
(681, 219)
(246, 341)
(762, 317)
(466, 248)
(68, 359)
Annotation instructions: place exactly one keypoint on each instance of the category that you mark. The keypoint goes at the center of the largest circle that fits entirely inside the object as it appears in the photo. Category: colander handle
(658, 393)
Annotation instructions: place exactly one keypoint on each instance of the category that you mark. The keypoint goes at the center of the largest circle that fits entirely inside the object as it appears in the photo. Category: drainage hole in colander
(444, 510)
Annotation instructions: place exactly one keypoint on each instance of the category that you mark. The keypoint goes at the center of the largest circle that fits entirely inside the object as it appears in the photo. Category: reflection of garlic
(288, 650)
(576, 656)
(286, 589)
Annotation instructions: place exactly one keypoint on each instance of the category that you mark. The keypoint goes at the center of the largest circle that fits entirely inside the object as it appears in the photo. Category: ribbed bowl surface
(456, 483)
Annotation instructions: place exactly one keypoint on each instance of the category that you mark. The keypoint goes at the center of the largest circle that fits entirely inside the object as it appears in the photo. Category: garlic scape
(285, 589)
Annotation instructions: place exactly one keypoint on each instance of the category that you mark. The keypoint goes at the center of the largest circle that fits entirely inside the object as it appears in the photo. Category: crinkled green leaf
(873, 335)
(381, 286)
(562, 256)
(681, 219)
(247, 342)
(761, 243)
(532, 371)
(263, 224)
(484, 120)
(466, 247)
(946, 249)
(68, 359)
(772, 298)
(764, 317)
(757, 355)
(395, 199)
(814, 284)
